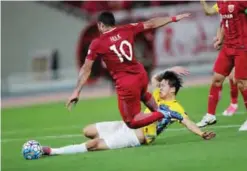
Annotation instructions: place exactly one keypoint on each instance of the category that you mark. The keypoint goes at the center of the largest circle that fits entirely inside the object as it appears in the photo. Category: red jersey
(116, 48)
(234, 21)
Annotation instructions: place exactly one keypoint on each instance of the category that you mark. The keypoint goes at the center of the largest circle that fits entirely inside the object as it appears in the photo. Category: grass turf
(52, 124)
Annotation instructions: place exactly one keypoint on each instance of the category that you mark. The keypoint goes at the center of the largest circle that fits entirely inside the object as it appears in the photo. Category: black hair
(107, 18)
(174, 80)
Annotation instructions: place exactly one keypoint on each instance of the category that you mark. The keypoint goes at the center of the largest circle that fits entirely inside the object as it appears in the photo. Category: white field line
(65, 136)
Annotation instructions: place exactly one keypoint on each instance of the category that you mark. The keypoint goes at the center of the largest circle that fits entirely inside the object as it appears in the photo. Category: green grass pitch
(174, 150)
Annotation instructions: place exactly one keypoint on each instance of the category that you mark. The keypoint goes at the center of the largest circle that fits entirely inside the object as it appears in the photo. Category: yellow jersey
(151, 131)
(216, 7)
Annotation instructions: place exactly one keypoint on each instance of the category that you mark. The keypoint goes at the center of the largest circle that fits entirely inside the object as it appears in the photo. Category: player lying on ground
(116, 48)
(208, 10)
(232, 54)
(116, 134)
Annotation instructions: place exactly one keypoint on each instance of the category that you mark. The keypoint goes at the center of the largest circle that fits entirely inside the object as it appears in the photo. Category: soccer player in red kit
(116, 47)
(232, 54)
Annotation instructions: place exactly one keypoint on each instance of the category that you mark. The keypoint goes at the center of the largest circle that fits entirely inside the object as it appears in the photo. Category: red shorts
(229, 58)
(130, 88)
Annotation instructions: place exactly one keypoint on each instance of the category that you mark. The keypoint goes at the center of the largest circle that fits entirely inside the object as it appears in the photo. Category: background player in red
(232, 54)
(115, 46)
(214, 10)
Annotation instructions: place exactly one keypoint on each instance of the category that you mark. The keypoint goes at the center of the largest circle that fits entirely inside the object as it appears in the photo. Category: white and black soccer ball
(32, 150)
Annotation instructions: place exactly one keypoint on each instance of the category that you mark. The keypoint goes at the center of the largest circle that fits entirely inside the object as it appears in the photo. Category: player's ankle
(234, 105)
(210, 115)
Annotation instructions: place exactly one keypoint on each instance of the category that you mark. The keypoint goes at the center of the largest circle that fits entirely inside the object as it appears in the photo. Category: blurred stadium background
(45, 43)
(43, 46)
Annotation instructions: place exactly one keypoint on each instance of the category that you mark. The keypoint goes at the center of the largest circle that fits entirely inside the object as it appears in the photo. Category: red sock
(244, 94)
(144, 119)
(149, 101)
(234, 92)
(213, 98)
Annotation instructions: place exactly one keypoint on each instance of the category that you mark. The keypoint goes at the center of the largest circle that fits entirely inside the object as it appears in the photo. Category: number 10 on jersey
(121, 53)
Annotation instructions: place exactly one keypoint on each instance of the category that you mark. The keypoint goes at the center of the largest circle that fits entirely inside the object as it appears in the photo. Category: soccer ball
(32, 150)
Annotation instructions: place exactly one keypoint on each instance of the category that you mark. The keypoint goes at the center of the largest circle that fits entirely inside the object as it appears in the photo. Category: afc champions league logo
(230, 8)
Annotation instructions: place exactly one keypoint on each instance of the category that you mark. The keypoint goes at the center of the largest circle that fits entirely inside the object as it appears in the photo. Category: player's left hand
(208, 135)
(180, 70)
(73, 99)
(182, 16)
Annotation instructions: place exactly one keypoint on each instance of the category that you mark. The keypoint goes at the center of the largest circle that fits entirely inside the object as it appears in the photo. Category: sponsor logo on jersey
(230, 8)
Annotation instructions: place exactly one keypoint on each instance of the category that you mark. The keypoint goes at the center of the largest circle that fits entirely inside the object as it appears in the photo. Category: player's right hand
(208, 135)
(73, 99)
(182, 16)
(217, 43)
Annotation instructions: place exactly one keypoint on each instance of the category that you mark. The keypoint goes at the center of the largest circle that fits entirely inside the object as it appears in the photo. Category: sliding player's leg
(90, 131)
(222, 68)
(90, 145)
(119, 136)
(101, 129)
(232, 108)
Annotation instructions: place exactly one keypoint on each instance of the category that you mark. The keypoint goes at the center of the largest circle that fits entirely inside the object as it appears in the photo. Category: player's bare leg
(213, 99)
(242, 86)
(90, 131)
(91, 145)
(232, 108)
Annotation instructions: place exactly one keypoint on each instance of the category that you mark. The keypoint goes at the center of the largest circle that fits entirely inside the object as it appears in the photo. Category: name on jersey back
(115, 38)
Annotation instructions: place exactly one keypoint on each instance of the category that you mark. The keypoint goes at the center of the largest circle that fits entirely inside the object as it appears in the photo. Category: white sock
(70, 149)
(234, 105)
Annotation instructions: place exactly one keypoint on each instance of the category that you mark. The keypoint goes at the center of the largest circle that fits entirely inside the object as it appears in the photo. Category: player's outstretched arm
(195, 129)
(177, 69)
(161, 21)
(207, 9)
(84, 73)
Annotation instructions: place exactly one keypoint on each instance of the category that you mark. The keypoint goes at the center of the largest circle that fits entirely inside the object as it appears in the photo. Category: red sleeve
(93, 50)
(243, 5)
(136, 27)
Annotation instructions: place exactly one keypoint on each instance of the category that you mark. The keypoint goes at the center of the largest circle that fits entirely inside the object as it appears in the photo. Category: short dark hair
(174, 80)
(107, 18)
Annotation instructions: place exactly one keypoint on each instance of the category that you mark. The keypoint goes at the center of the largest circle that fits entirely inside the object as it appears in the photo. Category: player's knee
(92, 144)
(242, 84)
(90, 131)
(218, 79)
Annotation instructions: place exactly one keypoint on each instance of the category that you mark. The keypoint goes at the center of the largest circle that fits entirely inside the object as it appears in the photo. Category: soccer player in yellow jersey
(115, 134)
